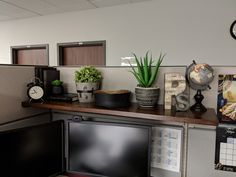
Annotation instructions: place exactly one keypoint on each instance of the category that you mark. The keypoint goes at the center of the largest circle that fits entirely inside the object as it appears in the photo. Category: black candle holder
(198, 106)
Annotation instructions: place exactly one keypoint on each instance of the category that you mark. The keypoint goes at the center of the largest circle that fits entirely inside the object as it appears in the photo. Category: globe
(199, 76)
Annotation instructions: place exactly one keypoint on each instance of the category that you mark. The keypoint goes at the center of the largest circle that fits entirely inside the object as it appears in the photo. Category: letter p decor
(175, 83)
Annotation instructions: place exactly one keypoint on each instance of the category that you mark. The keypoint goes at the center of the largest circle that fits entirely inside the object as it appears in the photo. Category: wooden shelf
(133, 111)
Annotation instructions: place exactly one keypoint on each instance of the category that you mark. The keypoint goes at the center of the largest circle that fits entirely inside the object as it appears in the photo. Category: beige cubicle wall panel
(13, 87)
(121, 78)
(116, 78)
(201, 154)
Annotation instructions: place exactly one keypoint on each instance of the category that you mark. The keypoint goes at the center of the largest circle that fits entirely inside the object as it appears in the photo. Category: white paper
(166, 148)
(228, 152)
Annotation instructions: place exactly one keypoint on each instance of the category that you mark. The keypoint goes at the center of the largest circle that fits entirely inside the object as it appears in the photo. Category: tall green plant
(144, 73)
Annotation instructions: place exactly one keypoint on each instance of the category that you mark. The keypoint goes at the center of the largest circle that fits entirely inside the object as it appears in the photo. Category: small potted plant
(87, 80)
(57, 87)
(147, 95)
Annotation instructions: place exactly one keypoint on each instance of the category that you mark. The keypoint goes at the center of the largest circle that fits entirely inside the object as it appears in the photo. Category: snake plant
(144, 73)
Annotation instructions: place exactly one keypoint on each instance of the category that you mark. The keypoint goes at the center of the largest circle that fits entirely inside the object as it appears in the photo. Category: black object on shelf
(39, 71)
(198, 106)
(57, 90)
(49, 76)
(112, 99)
(67, 97)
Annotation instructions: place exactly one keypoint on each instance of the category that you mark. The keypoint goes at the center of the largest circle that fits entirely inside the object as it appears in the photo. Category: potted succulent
(57, 87)
(87, 80)
(147, 95)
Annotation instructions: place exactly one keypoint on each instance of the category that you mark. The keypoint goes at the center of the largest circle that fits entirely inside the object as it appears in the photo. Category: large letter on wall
(175, 84)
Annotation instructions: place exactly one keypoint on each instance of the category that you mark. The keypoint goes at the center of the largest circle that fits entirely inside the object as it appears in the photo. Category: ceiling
(18, 9)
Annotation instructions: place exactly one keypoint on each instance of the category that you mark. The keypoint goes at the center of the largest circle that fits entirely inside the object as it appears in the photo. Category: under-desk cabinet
(200, 149)
(155, 172)
(201, 154)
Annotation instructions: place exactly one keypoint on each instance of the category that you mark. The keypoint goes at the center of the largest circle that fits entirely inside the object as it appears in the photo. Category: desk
(133, 111)
(186, 119)
(72, 175)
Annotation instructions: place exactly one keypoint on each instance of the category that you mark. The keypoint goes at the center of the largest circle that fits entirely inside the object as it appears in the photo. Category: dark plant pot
(112, 99)
(147, 97)
(57, 90)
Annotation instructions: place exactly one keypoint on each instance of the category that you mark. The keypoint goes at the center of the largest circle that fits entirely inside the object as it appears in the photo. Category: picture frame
(226, 99)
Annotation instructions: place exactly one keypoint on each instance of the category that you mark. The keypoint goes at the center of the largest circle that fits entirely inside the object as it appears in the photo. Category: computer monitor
(36, 151)
(111, 150)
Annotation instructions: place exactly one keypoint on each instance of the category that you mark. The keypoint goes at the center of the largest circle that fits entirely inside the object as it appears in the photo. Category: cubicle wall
(118, 78)
(13, 86)
(121, 78)
(201, 154)
(13, 81)
(26, 122)
(201, 142)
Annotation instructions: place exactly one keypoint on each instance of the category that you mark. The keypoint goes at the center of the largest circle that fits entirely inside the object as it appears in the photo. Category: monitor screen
(112, 150)
(36, 151)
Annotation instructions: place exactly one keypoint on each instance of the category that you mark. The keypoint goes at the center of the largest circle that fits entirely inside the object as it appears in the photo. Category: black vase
(57, 90)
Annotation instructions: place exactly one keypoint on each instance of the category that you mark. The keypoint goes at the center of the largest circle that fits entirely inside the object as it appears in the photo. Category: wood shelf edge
(158, 114)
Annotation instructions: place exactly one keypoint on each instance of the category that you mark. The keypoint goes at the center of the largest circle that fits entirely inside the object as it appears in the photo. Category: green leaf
(156, 69)
(139, 66)
(140, 81)
(150, 67)
(145, 69)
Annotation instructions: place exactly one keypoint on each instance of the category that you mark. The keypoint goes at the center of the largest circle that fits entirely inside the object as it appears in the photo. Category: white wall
(184, 29)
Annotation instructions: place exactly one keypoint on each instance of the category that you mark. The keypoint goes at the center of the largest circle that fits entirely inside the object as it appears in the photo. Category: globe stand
(198, 106)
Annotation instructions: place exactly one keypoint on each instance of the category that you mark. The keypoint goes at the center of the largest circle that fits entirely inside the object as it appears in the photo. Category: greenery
(144, 73)
(56, 82)
(88, 74)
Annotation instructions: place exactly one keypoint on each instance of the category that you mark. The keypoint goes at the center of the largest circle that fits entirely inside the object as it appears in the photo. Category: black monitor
(111, 150)
(36, 151)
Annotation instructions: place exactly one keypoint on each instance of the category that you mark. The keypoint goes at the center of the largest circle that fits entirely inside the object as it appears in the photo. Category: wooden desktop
(159, 114)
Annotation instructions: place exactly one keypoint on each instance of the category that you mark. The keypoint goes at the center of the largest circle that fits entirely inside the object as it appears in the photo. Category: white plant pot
(86, 91)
